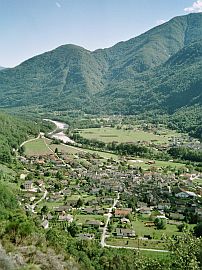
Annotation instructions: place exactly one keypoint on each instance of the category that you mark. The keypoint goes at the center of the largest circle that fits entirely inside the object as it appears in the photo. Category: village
(107, 200)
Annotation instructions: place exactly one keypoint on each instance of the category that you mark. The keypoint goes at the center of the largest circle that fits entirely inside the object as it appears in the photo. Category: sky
(31, 27)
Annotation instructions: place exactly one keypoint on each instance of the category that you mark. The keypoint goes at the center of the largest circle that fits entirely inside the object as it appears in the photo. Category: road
(102, 242)
(30, 140)
(136, 248)
(103, 237)
(32, 207)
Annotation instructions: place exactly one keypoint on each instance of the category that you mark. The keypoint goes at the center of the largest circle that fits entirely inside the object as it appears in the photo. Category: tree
(160, 223)
(79, 203)
(198, 230)
(44, 210)
(185, 252)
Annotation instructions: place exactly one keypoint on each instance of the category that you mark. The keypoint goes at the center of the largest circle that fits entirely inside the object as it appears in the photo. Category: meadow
(40, 147)
(108, 135)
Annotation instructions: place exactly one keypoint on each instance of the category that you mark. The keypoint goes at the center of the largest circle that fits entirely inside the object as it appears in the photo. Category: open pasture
(108, 135)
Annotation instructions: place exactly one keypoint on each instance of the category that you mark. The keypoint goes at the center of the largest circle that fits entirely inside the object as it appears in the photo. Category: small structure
(186, 194)
(125, 220)
(45, 224)
(67, 218)
(122, 212)
(86, 236)
(122, 232)
(28, 185)
(94, 223)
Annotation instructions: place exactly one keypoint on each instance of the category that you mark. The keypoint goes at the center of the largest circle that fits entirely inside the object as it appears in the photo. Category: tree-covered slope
(13, 131)
(159, 71)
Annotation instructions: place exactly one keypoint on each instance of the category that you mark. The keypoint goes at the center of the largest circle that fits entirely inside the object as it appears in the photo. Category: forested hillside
(158, 72)
(13, 131)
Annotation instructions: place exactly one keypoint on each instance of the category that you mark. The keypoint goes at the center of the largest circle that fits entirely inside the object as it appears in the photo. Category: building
(28, 185)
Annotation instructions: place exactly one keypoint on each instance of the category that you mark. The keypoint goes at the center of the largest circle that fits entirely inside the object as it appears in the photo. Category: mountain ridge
(151, 72)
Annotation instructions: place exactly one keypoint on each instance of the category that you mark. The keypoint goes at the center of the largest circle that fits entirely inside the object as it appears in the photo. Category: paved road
(103, 237)
(146, 249)
(32, 207)
(102, 242)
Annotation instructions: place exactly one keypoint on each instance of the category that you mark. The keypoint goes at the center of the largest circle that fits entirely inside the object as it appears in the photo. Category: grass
(141, 230)
(7, 170)
(83, 218)
(158, 164)
(36, 147)
(127, 242)
(154, 254)
(120, 135)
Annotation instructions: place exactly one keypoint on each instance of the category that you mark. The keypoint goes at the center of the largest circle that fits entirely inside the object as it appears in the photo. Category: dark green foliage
(8, 201)
(13, 131)
(186, 154)
(198, 230)
(160, 223)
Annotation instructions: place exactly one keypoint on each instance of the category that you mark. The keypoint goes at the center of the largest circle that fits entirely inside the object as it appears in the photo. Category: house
(62, 208)
(177, 216)
(125, 220)
(145, 210)
(123, 212)
(94, 223)
(28, 185)
(122, 232)
(86, 236)
(67, 218)
(186, 194)
(45, 224)
(22, 176)
(149, 224)
(88, 210)
(161, 217)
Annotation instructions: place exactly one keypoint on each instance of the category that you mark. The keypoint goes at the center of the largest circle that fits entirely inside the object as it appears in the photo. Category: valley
(113, 199)
(101, 153)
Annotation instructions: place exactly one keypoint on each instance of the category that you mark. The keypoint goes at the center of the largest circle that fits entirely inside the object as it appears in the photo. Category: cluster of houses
(82, 192)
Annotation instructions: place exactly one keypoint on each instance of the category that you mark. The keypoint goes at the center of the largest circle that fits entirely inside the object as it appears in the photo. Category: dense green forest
(14, 131)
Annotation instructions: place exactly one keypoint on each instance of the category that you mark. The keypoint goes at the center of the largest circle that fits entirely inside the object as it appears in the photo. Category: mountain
(159, 71)
(1, 68)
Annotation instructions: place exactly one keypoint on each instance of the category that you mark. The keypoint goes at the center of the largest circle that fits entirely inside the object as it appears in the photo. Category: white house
(185, 194)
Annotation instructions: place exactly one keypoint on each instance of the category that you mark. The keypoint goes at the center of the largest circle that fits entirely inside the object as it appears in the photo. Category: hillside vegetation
(158, 72)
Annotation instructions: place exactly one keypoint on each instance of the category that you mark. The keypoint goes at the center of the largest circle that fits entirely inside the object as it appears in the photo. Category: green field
(120, 135)
(158, 164)
(39, 147)
(36, 147)
(83, 218)
(136, 243)
(141, 230)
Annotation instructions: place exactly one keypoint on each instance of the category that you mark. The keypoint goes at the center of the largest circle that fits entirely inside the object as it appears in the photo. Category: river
(59, 132)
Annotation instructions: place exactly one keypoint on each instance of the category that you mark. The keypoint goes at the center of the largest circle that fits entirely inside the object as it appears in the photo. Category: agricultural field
(108, 135)
(142, 162)
(36, 147)
(141, 230)
(41, 147)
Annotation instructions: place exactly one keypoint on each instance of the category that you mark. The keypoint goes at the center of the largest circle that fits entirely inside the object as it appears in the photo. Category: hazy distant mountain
(160, 70)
